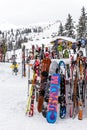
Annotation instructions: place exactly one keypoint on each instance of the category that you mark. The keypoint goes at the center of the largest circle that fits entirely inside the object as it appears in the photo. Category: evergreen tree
(4, 49)
(69, 27)
(82, 25)
(61, 30)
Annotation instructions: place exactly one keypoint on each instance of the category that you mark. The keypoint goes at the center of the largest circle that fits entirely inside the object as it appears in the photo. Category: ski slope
(13, 100)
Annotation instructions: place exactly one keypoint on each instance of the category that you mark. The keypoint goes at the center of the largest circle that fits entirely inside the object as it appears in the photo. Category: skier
(15, 69)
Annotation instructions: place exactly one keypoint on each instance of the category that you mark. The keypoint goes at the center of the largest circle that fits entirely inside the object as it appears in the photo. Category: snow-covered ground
(13, 100)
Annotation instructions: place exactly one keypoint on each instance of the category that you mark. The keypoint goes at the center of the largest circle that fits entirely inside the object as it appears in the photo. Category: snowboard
(45, 64)
(46, 98)
(53, 69)
(52, 107)
(42, 91)
(80, 85)
(62, 67)
(62, 97)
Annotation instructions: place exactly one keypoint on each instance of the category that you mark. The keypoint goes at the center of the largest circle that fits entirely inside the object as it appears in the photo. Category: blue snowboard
(52, 108)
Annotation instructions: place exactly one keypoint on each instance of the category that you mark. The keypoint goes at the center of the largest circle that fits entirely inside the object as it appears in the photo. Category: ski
(29, 107)
(23, 62)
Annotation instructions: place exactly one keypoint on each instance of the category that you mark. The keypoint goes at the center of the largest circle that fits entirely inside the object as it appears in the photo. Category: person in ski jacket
(15, 69)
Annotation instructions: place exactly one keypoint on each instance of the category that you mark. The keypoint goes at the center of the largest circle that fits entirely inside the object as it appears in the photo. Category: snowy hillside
(49, 30)
(13, 100)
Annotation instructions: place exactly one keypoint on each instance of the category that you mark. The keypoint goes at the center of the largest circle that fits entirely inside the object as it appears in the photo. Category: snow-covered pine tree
(69, 27)
(61, 30)
(82, 25)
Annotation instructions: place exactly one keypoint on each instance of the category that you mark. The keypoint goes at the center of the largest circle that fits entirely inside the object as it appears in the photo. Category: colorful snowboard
(52, 108)
(45, 64)
(80, 88)
(52, 70)
(62, 98)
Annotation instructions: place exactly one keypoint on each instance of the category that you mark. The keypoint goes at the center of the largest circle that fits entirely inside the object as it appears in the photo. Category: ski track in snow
(13, 100)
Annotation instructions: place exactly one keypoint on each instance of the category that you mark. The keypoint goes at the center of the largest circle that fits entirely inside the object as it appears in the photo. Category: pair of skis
(31, 89)
(78, 88)
(30, 104)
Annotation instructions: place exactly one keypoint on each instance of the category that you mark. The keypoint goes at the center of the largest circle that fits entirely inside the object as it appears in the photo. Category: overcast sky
(24, 12)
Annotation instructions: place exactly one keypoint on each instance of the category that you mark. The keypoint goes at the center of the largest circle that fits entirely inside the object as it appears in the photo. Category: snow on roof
(46, 42)
(64, 38)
